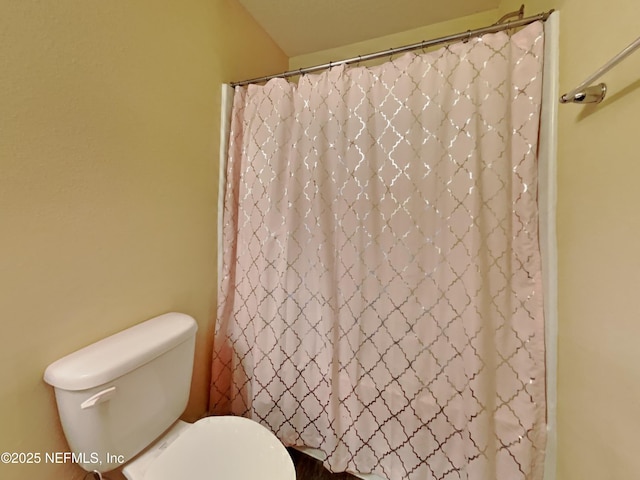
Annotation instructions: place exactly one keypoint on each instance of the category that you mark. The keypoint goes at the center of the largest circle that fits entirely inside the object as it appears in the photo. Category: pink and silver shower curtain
(380, 297)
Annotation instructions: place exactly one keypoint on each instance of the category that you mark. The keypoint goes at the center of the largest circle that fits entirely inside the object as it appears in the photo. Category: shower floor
(308, 468)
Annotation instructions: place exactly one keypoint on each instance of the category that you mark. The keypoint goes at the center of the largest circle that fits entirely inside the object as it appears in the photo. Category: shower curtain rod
(497, 27)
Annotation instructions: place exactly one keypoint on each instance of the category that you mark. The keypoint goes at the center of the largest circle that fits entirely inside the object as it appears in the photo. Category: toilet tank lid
(114, 356)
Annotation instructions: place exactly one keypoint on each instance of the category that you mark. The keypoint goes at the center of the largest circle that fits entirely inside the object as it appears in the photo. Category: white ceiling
(306, 26)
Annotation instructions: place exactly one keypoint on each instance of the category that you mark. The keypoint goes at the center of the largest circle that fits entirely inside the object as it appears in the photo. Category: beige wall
(598, 233)
(599, 255)
(388, 41)
(109, 137)
(108, 144)
(598, 243)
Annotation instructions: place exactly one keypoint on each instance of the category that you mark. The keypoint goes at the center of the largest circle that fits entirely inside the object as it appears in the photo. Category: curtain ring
(468, 37)
(508, 29)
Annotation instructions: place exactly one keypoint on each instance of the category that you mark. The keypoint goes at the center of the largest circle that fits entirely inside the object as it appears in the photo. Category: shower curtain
(380, 296)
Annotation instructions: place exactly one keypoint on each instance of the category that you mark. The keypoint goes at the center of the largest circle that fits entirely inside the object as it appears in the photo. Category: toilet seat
(222, 448)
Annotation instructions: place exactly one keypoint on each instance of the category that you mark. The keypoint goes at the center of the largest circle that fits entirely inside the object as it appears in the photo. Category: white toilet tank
(116, 396)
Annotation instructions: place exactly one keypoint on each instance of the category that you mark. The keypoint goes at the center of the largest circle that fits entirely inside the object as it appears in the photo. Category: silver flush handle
(99, 397)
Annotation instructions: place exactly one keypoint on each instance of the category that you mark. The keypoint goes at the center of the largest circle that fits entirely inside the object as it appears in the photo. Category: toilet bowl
(222, 447)
(119, 401)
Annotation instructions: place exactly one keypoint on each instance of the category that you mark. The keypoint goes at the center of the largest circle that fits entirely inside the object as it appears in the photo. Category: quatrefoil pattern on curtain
(381, 295)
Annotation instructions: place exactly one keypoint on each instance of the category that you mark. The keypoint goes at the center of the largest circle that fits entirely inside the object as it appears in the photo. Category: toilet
(119, 401)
